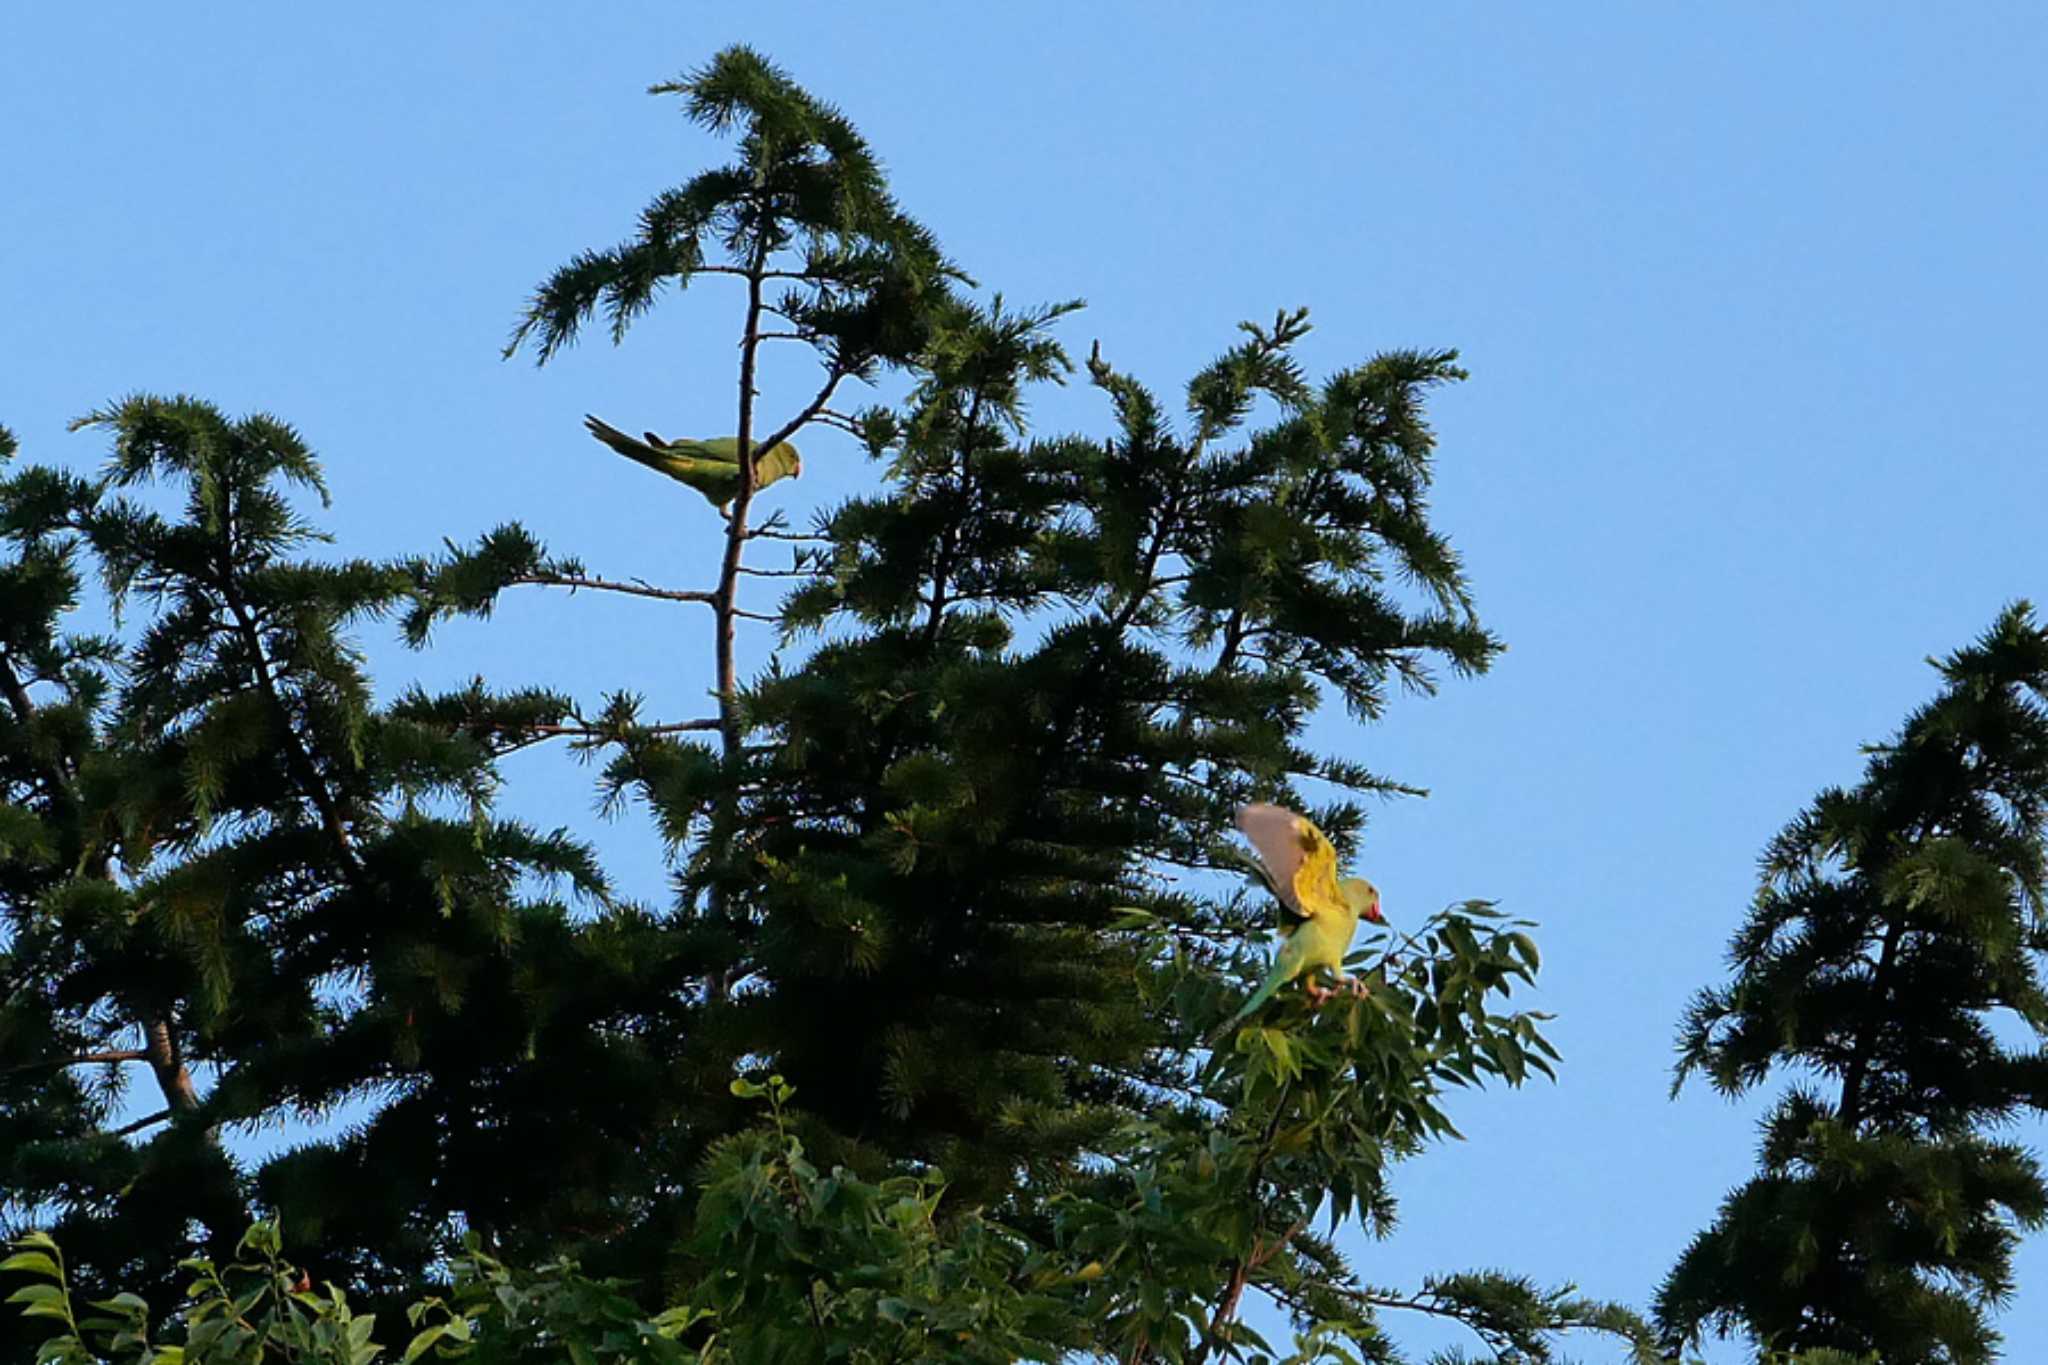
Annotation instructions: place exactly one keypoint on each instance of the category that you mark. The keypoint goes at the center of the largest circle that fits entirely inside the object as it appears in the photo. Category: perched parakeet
(1320, 911)
(711, 467)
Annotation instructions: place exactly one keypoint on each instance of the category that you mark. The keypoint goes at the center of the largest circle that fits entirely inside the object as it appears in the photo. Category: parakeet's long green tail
(1282, 973)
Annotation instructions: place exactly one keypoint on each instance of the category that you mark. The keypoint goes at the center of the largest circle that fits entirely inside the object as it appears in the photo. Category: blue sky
(1751, 300)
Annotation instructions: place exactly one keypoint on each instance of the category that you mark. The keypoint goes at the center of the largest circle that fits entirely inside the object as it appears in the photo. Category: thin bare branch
(312, 785)
(1294, 1298)
(160, 1116)
(549, 731)
(1241, 1269)
(726, 600)
(172, 1076)
(834, 376)
(839, 420)
(632, 588)
(743, 273)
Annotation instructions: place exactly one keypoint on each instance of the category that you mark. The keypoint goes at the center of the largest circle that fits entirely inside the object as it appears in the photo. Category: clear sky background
(1751, 296)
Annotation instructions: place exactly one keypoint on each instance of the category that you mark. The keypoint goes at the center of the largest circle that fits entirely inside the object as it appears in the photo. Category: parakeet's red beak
(1373, 913)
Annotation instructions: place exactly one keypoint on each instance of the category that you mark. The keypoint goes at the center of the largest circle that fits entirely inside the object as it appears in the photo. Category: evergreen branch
(604, 732)
(839, 421)
(949, 543)
(1849, 1111)
(725, 606)
(541, 732)
(632, 587)
(165, 1059)
(1185, 1090)
(24, 708)
(1147, 584)
(172, 1076)
(160, 1116)
(311, 785)
(741, 272)
(1234, 635)
(1562, 1315)
(15, 690)
(79, 1059)
(834, 375)
(725, 602)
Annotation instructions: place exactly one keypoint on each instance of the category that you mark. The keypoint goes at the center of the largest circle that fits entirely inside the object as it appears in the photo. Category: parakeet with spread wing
(1320, 911)
(711, 467)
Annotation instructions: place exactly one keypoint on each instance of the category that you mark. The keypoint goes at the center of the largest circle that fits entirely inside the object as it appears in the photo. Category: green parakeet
(1320, 911)
(711, 467)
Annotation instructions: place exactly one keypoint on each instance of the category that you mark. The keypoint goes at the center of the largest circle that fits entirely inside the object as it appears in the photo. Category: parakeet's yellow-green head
(1363, 897)
(778, 462)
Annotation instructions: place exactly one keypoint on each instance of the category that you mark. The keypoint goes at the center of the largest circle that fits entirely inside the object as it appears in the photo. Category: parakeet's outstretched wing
(1299, 861)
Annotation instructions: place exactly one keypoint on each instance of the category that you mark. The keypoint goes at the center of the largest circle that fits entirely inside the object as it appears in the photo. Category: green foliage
(1898, 926)
(251, 1310)
(1302, 1119)
(259, 1309)
(802, 1265)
